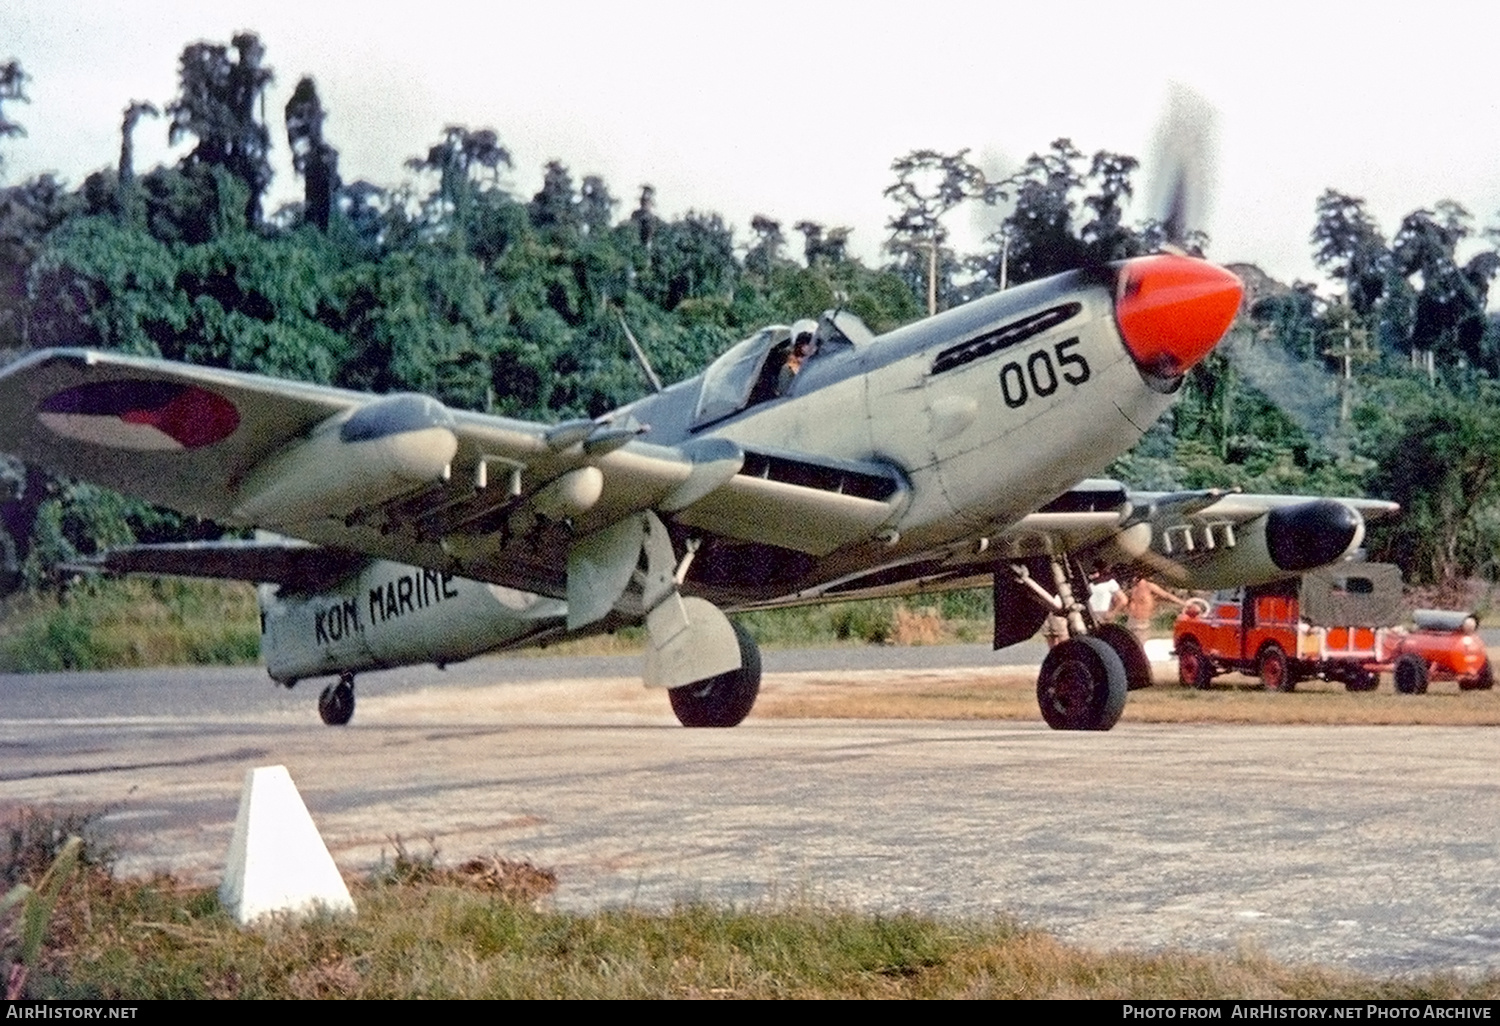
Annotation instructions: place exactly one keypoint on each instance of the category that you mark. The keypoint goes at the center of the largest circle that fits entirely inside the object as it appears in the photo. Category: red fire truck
(1340, 624)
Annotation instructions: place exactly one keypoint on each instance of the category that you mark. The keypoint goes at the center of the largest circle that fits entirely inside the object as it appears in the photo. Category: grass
(953, 617)
(98, 624)
(153, 939)
(103, 624)
(960, 616)
(32, 839)
(481, 929)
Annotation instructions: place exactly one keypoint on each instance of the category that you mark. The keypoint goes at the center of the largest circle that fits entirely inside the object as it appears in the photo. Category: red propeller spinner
(1173, 309)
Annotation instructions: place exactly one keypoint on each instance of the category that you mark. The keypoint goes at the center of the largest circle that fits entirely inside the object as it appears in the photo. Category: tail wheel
(1274, 669)
(1082, 685)
(1411, 674)
(1194, 670)
(1483, 680)
(725, 700)
(336, 703)
(1132, 656)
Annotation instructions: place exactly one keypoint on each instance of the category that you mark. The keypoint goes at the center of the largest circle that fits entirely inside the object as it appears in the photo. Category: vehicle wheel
(1194, 669)
(336, 703)
(1483, 680)
(1362, 680)
(1274, 669)
(725, 700)
(1411, 674)
(1082, 685)
(1132, 656)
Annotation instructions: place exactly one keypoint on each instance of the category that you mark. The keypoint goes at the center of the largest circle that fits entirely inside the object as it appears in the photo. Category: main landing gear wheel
(336, 703)
(1193, 667)
(1132, 656)
(1362, 680)
(1411, 674)
(1082, 685)
(725, 700)
(1275, 672)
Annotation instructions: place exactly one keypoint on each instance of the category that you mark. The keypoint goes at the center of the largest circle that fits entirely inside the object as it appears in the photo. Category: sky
(796, 110)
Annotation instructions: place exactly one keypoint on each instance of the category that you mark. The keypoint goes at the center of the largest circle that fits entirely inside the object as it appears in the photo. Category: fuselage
(985, 412)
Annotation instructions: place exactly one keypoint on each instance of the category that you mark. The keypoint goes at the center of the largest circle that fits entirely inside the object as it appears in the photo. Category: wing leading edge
(404, 478)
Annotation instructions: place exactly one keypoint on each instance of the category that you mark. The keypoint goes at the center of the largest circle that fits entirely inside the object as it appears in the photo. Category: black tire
(1194, 669)
(336, 703)
(1411, 674)
(725, 700)
(1274, 669)
(1082, 685)
(1483, 680)
(1132, 656)
(1362, 680)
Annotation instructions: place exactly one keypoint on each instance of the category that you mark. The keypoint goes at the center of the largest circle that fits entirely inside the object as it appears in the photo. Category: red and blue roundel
(150, 416)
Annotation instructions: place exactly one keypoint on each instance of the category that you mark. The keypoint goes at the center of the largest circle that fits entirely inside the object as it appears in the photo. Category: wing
(403, 478)
(1201, 540)
(1197, 539)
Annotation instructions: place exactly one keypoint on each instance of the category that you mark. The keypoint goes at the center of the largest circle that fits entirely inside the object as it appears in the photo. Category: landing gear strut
(336, 703)
(709, 666)
(1084, 679)
(724, 700)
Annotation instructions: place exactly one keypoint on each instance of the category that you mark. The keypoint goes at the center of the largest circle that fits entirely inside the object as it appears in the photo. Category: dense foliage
(450, 283)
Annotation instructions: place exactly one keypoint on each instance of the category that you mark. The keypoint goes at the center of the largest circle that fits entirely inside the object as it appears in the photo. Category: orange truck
(1340, 624)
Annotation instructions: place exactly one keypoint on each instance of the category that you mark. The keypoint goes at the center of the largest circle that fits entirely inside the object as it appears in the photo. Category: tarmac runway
(1372, 848)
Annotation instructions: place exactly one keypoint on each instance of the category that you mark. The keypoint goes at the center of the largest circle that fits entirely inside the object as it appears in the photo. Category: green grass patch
(153, 939)
(102, 624)
(481, 929)
(98, 624)
(958, 616)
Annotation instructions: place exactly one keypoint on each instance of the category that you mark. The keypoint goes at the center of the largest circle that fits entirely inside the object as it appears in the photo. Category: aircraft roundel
(147, 416)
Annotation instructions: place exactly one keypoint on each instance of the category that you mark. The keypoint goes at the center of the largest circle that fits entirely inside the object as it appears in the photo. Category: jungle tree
(12, 87)
(312, 157)
(1348, 246)
(218, 105)
(132, 115)
(928, 186)
(1449, 318)
(466, 161)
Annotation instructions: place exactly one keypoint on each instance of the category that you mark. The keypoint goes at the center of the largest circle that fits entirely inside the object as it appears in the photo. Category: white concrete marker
(277, 860)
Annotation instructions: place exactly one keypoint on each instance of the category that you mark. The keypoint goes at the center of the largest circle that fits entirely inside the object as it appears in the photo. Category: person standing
(1141, 605)
(1106, 598)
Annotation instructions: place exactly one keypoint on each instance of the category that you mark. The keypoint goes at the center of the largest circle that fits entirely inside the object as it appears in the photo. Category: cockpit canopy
(748, 372)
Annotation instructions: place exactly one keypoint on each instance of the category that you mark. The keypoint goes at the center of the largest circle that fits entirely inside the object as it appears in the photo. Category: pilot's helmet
(804, 330)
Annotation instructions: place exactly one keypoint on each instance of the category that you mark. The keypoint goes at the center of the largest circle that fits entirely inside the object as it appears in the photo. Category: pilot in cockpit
(804, 346)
